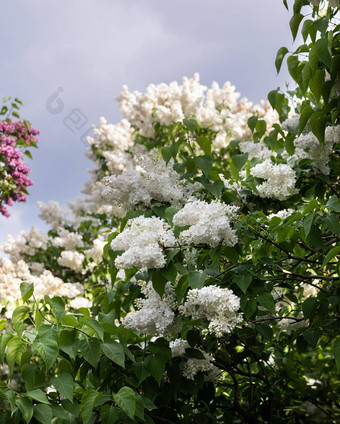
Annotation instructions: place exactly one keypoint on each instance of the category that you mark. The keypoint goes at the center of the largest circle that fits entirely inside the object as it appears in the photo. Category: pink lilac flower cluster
(13, 171)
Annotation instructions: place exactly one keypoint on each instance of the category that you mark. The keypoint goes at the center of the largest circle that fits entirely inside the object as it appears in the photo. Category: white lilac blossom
(143, 240)
(208, 223)
(283, 214)
(67, 239)
(13, 273)
(96, 251)
(218, 305)
(307, 146)
(193, 366)
(280, 180)
(155, 315)
(73, 260)
(151, 179)
(53, 214)
(178, 347)
(291, 124)
(27, 244)
(80, 302)
(255, 150)
(217, 108)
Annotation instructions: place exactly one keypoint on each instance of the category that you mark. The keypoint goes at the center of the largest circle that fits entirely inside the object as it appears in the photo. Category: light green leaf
(64, 385)
(126, 400)
(294, 24)
(26, 408)
(114, 351)
(26, 290)
(90, 349)
(43, 413)
(38, 395)
(197, 279)
(87, 403)
(331, 254)
(48, 350)
(323, 52)
(279, 58)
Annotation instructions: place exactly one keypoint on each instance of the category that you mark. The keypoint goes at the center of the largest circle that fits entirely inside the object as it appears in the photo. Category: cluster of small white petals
(283, 214)
(209, 223)
(73, 260)
(143, 240)
(27, 244)
(67, 239)
(307, 146)
(119, 136)
(218, 108)
(155, 315)
(178, 347)
(291, 124)
(151, 179)
(53, 214)
(218, 305)
(96, 251)
(13, 273)
(255, 150)
(193, 366)
(280, 180)
(80, 302)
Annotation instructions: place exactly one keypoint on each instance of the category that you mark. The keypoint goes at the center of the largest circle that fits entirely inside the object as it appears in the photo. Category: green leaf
(191, 124)
(87, 403)
(205, 144)
(239, 160)
(304, 116)
(323, 52)
(331, 223)
(26, 408)
(279, 58)
(334, 204)
(48, 350)
(158, 282)
(252, 121)
(331, 254)
(307, 223)
(28, 372)
(114, 351)
(308, 29)
(90, 349)
(64, 385)
(266, 300)
(43, 413)
(18, 318)
(265, 331)
(243, 281)
(197, 279)
(318, 123)
(294, 24)
(38, 395)
(321, 25)
(169, 213)
(156, 366)
(126, 400)
(58, 307)
(92, 323)
(26, 290)
(14, 349)
(312, 336)
(204, 163)
(109, 414)
(317, 82)
(336, 352)
(309, 306)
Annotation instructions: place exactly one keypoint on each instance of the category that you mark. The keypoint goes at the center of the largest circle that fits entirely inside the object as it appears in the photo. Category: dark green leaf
(278, 61)
(114, 351)
(126, 400)
(43, 413)
(90, 349)
(64, 385)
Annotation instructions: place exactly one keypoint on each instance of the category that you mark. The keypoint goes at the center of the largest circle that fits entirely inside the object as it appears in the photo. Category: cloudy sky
(68, 59)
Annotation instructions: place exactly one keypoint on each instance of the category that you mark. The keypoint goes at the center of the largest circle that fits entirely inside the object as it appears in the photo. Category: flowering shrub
(13, 171)
(198, 280)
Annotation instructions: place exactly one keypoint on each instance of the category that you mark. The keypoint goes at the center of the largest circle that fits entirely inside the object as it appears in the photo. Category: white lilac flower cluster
(255, 150)
(283, 214)
(208, 223)
(53, 214)
(27, 244)
(13, 273)
(151, 179)
(307, 146)
(143, 240)
(218, 305)
(73, 260)
(193, 366)
(96, 251)
(68, 239)
(217, 108)
(280, 180)
(155, 315)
